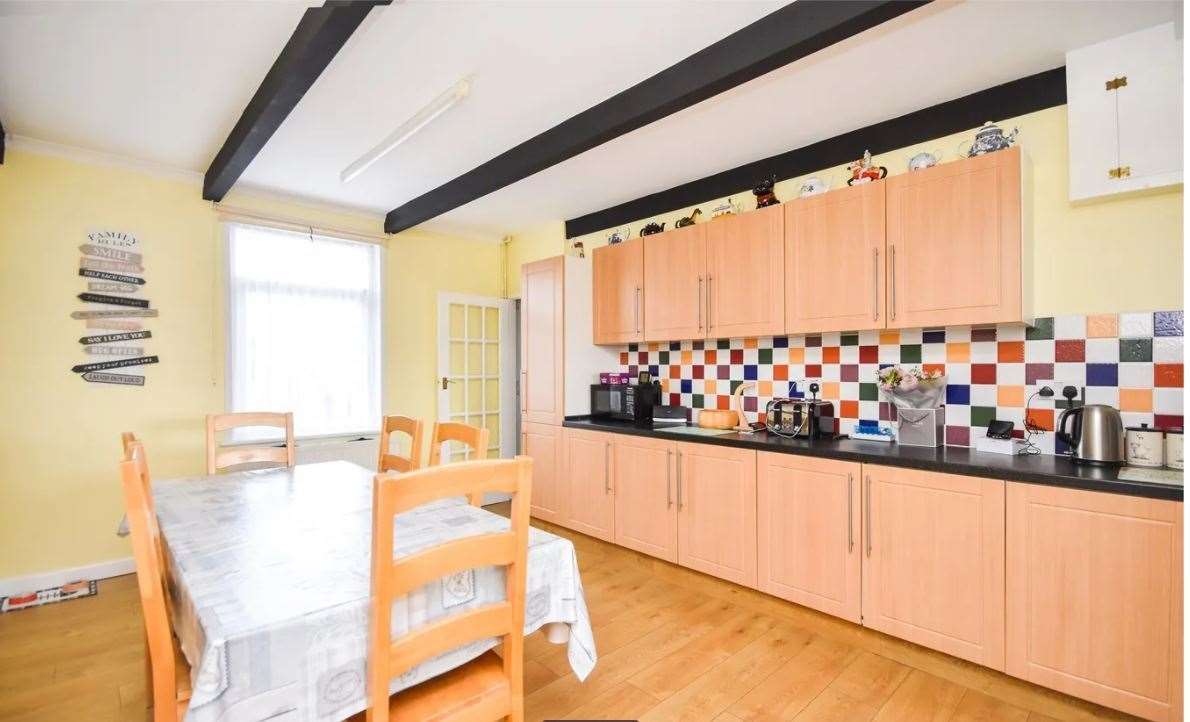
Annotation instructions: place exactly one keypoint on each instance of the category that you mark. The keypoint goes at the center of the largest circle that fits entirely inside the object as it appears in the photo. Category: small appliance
(625, 402)
(803, 418)
(1095, 436)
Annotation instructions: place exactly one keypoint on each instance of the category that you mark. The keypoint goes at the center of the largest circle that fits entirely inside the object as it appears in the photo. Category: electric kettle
(1097, 436)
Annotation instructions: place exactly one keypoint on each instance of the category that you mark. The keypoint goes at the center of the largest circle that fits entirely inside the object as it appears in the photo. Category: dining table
(269, 582)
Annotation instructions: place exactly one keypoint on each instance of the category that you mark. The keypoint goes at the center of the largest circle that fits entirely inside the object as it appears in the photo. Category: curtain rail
(233, 214)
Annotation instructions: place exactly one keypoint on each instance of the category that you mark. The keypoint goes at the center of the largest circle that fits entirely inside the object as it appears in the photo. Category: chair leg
(148, 676)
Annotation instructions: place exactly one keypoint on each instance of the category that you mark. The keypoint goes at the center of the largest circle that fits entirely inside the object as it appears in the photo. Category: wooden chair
(474, 437)
(169, 674)
(395, 462)
(221, 458)
(490, 686)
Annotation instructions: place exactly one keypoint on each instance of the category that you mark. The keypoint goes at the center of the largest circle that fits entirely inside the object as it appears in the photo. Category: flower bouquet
(911, 388)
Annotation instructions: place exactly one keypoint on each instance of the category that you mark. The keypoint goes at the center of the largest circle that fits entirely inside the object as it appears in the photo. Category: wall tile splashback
(1132, 361)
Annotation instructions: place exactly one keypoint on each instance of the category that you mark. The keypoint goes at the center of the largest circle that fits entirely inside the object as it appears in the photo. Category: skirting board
(44, 580)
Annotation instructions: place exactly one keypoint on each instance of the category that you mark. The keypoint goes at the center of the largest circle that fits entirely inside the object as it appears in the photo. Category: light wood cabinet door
(1095, 597)
(716, 500)
(745, 268)
(954, 243)
(587, 480)
(933, 568)
(675, 284)
(543, 443)
(808, 536)
(834, 260)
(542, 332)
(618, 292)
(643, 479)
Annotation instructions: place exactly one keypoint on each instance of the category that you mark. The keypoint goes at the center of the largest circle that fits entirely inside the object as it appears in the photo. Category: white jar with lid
(1145, 446)
(1173, 448)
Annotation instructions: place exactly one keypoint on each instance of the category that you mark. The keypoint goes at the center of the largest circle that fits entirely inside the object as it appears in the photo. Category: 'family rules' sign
(113, 308)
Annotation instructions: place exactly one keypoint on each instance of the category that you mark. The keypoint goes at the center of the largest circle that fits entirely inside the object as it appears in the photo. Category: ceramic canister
(1145, 446)
(1173, 448)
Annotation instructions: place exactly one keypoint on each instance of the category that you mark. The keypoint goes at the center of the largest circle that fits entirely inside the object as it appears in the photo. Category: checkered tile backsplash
(1132, 361)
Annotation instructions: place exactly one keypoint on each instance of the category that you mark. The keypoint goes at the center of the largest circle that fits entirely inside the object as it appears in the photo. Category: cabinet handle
(892, 261)
(709, 295)
(636, 310)
(850, 536)
(524, 390)
(679, 480)
(875, 284)
(607, 468)
(669, 499)
(868, 515)
(700, 302)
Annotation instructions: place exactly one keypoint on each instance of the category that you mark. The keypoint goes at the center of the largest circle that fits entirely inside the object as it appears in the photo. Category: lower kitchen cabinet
(1095, 597)
(586, 481)
(543, 443)
(933, 568)
(716, 501)
(808, 532)
(643, 479)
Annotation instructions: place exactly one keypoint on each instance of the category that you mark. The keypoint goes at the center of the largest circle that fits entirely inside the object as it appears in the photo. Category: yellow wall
(533, 244)
(1123, 254)
(59, 496)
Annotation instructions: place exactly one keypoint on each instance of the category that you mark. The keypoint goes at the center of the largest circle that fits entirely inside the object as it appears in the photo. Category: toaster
(802, 418)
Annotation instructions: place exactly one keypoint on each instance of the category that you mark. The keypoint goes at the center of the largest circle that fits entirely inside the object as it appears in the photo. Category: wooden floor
(673, 644)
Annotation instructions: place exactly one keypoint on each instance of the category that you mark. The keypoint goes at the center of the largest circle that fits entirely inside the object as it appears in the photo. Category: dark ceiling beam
(1018, 97)
(1, 143)
(319, 36)
(781, 37)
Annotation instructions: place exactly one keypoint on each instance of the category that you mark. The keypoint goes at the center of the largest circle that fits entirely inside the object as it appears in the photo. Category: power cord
(1032, 429)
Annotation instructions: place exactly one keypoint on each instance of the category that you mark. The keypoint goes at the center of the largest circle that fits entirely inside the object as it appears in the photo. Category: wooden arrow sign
(112, 254)
(99, 377)
(112, 324)
(111, 287)
(121, 363)
(106, 276)
(105, 350)
(117, 313)
(112, 337)
(114, 300)
(98, 264)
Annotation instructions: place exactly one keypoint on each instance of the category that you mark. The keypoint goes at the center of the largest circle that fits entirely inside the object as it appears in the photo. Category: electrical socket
(1057, 385)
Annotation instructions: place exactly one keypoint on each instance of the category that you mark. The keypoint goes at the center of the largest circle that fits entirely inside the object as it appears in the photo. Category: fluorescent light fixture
(416, 122)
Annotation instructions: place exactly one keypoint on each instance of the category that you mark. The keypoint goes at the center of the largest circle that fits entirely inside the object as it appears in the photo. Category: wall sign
(105, 275)
(105, 350)
(113, 324)
(117, 313)
(114, 300)
(120, 363)
(112, 287)
(122, 379)
(109, 260)
(112, 254)
(113, 337)
(99, 264)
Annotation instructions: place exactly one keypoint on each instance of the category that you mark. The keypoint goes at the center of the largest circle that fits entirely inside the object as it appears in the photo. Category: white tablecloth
(270, 570)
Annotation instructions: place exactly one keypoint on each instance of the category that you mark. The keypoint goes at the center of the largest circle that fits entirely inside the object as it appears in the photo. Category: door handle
(669, 499)
(700, 302)
(892, 261)
(875, 284)
(679, 480)
(524, 390)
(868, 515)
(850, 536)
(607, 467)
(446, 382)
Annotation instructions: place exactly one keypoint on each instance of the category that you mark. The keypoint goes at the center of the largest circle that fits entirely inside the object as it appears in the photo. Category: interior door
(675, 284)
(587, 464)
(745, 269)
(477, 369)
(834, 256)
(541, 341)
(716, 500)
(646, 514)
(618, 292)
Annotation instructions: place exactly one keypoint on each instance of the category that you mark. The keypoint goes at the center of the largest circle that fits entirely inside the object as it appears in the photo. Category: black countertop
(1037, 469)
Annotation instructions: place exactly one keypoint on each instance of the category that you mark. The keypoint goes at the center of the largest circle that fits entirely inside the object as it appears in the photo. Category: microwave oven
(625, 402)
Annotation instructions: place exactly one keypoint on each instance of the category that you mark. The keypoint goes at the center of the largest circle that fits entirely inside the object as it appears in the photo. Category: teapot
(812, 186)
(764, 192)
(924, 160)
(619, 235)
(988, 139)
(652, 228)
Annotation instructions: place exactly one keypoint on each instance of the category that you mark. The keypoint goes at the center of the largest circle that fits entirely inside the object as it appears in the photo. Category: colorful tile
(1010, 396)
(869, 392)
(1136, 399)
(910, 353)
(1040, 418)
(1010, 351)
(813, 341)
(958, 352)
(849, 372)
(1042, 329)
(933, 336)
(1168, 375)
(1167, 421)
(1070, 327)
(958, 436)
(1102, 374)
(983, 373)
(1136, 349)
(1070, 350)
(1168, 349)
(1104, 325)
(1037, 372)
(1167, 323)
(983, 334)
(958, 394)
(849, 339)
(1102, 350)
(982, 415)
(830, 354)
(1136, 325)
(849, 409)
(1136, 375)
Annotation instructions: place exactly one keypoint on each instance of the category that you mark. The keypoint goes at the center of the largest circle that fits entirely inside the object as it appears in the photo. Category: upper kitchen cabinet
(542, 319)
(834, 256)
(675, 284)
(618, 296)
(745, 266)
(1124, 111)
(955, 243)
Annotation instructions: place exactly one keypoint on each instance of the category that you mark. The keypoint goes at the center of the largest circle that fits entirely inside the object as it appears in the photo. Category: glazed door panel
(675, 284)
(1095, 596)
(834, 260)
(646, 514)
(934, 561)
(543, 443)
(716, 500)
(618, 292)
(745, 268)
(808, 535)
(542, 333)
(587, 482)
(954, 243)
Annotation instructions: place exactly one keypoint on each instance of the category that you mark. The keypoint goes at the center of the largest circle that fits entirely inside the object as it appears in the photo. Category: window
(304, 329)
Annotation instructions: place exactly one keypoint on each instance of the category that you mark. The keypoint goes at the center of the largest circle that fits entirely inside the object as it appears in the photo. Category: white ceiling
(165, 82)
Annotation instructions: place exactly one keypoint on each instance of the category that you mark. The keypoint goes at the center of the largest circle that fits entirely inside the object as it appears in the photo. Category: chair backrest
(474, 437)
(220, 458)
(396, 493)
(395, 462)
(147, 552)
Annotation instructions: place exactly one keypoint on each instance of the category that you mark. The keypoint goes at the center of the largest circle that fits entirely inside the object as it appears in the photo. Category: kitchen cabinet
(808, 532)
(834, 261)
(1124, 113)
(716, 502)
(1094, 597)
(675, 284)
(646, 514)
(587, 483)
(955, 243)
(745, 269)
(543, 442)
(618, 294)
(933, 567)
(541, 341)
